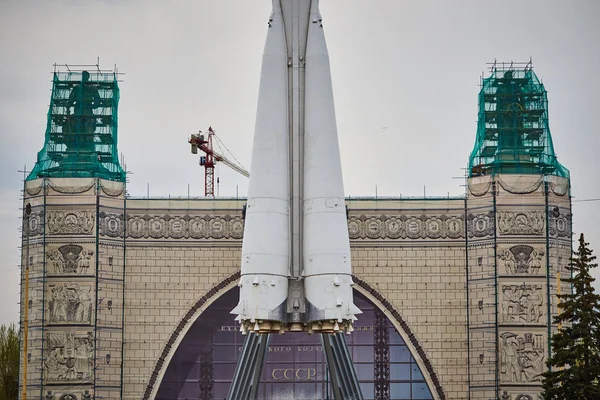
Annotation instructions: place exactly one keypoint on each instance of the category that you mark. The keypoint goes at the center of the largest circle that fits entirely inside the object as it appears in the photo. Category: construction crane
(205, 143)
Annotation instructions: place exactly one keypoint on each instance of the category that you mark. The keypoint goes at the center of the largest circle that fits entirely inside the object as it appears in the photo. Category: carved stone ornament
(522, 303)
(521, 222)
(481, 225)
(68, 396)
(70, 303)
(183, 227)
(71, 222)
(72, 189)
(521, 357)
(110, 224)
(521, 190)
(70, 259)
(36, 224)
(522, 259)
(406, 227)
(70, 357)
(560, 226)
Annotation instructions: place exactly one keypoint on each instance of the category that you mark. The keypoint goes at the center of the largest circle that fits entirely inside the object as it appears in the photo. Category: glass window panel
(399, 354)
(395, 337)
(220, 390)
(362, 335)
(309, 352)
(223, 371)
(416, 373)
(224, 337)
(400, 372)
(224, 353)
(367, 389)
(190, 390)
(190, 370)
(421, 391)
(280, 353)
(362, 354)
(364, 372)
(400, 391)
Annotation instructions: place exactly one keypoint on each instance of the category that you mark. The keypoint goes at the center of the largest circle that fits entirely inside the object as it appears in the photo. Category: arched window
(203, 365)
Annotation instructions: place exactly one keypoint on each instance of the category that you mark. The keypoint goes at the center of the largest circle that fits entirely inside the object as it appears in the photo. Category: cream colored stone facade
(470, 284)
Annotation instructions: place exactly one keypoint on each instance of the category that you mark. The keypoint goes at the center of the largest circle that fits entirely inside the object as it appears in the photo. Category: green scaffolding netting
(81, 133)
(513, 136)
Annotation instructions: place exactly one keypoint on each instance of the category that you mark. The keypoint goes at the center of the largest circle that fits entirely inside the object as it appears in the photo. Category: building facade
(128, 298)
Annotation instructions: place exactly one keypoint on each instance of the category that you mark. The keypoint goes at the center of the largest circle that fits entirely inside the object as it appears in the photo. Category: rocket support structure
(296, 272)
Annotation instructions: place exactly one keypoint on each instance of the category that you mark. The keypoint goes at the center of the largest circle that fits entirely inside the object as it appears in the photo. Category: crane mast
(205, 144)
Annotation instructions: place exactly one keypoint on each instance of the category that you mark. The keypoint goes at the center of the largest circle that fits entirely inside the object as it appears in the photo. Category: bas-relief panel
(70, 303)
(71, 222)
(522, 260)
(522, 303)
(521, 222)
(522, 357)
(70, 259)
(70, 357)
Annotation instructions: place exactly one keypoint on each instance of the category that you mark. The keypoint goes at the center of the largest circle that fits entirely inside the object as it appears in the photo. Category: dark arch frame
(216, 290)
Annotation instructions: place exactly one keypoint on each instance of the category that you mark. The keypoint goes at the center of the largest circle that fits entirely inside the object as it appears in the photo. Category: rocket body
(296, 269)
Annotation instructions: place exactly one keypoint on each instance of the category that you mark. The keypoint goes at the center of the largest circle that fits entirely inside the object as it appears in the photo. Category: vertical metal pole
(97, 276)
(548, 294)
(123, 284)
(26, 303)
(468, 304)
(497, 347)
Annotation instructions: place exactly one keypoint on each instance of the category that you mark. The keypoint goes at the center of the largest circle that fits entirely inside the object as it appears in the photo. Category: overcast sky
(405, 77)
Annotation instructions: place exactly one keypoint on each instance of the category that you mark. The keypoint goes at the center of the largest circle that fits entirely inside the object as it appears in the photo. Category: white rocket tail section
(266, 243)
(326, 253)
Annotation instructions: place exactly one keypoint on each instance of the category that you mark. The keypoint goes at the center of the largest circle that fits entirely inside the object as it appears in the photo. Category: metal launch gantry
(205, 143)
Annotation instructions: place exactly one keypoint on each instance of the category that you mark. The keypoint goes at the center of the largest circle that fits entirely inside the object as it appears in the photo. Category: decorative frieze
(406, 227)
(71, 222)
(521, 222)
(70, 357)
(522, 303)
(183, 227)
(522, 357)
(522, 260)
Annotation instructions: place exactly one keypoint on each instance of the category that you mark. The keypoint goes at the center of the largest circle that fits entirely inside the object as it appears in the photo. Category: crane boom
(230, 164)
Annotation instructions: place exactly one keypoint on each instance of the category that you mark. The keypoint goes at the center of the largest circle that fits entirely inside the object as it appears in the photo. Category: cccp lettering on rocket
(296, 272)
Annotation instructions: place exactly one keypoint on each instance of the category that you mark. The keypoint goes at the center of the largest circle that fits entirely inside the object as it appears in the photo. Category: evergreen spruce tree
(575, 363)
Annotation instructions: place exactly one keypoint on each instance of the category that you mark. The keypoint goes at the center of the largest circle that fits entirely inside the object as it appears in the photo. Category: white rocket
(295, 268)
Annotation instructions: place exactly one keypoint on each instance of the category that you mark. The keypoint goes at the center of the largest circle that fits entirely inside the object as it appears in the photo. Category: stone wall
(467, 282)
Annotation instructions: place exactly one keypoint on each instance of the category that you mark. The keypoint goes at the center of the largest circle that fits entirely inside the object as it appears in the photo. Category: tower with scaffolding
(513, 135)
(72, 310)
(81, 132)
(518, 201)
